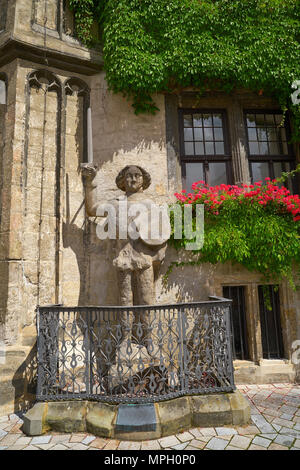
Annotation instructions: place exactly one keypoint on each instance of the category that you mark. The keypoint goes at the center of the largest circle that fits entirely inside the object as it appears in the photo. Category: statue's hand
(88, 170)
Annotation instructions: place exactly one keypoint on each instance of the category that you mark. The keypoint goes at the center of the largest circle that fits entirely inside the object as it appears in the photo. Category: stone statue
(136, 260)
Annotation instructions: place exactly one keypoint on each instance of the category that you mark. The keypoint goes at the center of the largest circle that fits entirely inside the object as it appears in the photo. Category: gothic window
(204, 146)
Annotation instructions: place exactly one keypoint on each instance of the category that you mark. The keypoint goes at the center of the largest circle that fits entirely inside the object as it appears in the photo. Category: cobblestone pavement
(275, 414)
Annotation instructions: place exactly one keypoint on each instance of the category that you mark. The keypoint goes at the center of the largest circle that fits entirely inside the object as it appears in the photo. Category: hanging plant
(255, 225)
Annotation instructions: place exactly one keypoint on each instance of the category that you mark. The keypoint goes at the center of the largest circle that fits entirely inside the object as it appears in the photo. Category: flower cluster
(268, 194)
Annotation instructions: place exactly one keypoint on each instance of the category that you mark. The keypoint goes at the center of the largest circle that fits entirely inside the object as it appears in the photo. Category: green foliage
(261, 236)
(152, 46)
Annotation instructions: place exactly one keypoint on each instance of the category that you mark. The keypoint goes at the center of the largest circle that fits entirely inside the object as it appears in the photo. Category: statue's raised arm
(89, 171)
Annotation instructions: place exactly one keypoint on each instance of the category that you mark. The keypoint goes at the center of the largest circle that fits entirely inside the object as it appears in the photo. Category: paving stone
(297, 443)
(262, 424)
(31, 448)
(248, 430)
(62, 447)
(9, 440)
(297, 427)
(41, 440)
(260, 441)
(294, 448)
(286, 416)
(208, 431)
(198, 444)
(88, 440)
(185, 436)
(3, 419)
(291, 410)
(276, 427)
(46, 446)
(2, 433)
(283, 430)
(195, 432)
(60, 438)
(23, 440)
(129, 445)
(16, 447)
(256, 447)
(225, 431)
(272, 412)
(284, 422)
(181, 446)
(216, 444)
(240, 441)
(79, 447)
(193, 448)
(77, 437)
(99, 443)
(277, 447)
(168, 441)
(268, 436)
(284, 440)
(3, 447)
(150, 445)
(233, 448)
(112, 445)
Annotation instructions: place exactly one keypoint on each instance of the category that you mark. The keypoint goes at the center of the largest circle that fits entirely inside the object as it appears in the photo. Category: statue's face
(133, 179)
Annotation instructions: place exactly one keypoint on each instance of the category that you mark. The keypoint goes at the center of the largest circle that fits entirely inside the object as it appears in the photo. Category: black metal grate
(134, 354)
(240, 349)
(271, 332)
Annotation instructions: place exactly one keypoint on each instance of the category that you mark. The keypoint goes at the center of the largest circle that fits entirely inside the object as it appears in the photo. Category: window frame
(270, 159)
(206, 159)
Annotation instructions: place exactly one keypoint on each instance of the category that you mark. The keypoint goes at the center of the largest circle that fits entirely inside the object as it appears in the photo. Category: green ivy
(153, 46)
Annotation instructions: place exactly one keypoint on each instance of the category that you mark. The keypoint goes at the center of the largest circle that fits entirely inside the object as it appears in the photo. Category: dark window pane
(188, 122)
(252, 133)
(199, 148)
(269, 119)
(219, 148)
(217, 173)
(218, 131)
(189, 148)
(261, 133)
(209, 148)
(197, 120)
(253, 147)
(217, 119)
(251, 120)
(263, 148)
(274, 148)
(198, 133)
(207, 120)
(188, 133)
(260, 171)
(208, 134)
(194, 172)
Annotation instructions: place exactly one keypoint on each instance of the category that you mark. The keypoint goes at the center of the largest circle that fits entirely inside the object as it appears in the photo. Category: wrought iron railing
(134, 354)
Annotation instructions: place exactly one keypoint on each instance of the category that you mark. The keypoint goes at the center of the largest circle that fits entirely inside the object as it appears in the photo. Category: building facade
(49, 252)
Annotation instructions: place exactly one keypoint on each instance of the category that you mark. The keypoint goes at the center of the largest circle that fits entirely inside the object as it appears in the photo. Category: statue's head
(133, 179)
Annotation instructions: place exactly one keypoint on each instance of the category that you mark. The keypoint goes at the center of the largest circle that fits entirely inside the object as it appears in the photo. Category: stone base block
(141, 421)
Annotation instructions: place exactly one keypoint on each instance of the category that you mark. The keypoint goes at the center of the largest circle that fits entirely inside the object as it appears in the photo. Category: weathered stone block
(211, 410)
(33, 420)
(175, 415)
(66, 416)
(240, 408)
(100, 419)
